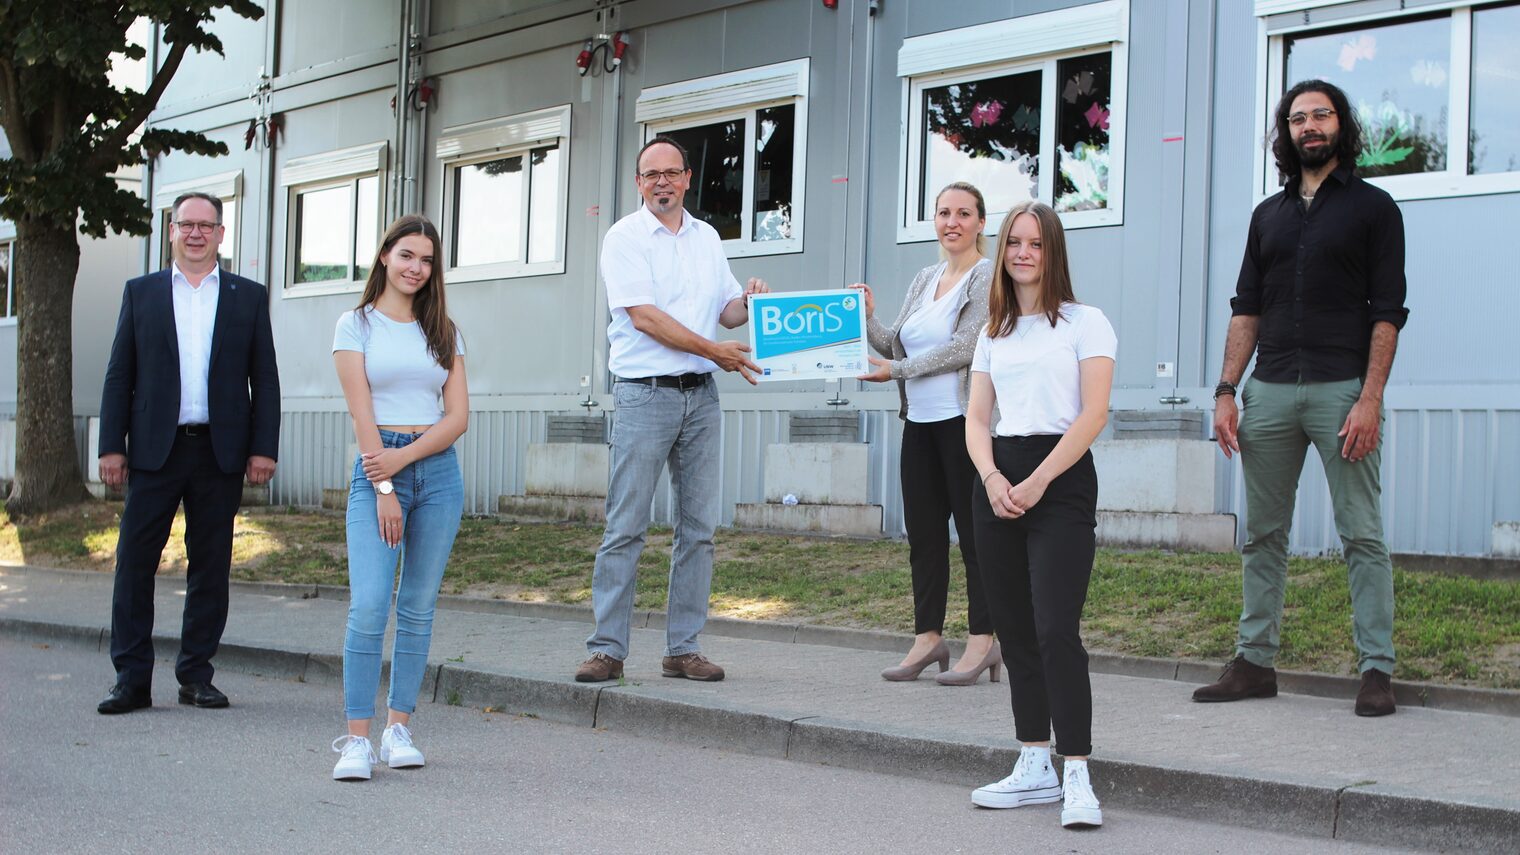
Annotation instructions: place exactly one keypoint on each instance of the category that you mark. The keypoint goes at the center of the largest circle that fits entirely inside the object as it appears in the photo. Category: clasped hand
(1011, 501)
(383, 465)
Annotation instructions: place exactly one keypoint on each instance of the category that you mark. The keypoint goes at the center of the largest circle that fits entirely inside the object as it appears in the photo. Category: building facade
(820, 132)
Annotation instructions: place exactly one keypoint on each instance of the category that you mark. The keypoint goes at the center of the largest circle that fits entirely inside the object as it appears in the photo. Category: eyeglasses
(1319, 113)
(655, 175)
(190, 227)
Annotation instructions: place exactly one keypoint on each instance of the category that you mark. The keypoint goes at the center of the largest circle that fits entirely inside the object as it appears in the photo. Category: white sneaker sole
(351, 774)
(405, 763)
(1081, 818)
(983, 797)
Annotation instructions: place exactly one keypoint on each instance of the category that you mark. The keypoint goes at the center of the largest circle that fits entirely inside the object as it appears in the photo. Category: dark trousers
(211, 498)
(937, 475)
(1035, 570)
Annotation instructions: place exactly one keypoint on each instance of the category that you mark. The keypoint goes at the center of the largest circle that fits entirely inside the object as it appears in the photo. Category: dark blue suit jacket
(139, 409)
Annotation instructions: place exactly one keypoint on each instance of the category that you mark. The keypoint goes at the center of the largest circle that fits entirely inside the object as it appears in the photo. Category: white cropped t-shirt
(405, 381)
(1034, 369)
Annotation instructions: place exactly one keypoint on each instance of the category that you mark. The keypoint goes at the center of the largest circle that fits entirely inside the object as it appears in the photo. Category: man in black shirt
(1321, 300)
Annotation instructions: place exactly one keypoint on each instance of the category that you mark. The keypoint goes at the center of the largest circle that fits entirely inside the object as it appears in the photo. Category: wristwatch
(385, 488)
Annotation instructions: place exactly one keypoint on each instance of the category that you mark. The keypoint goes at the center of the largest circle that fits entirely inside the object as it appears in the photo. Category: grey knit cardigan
(955, 354)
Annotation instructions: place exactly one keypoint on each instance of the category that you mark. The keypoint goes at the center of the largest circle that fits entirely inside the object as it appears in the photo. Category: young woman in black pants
(928, 350)
(1047, 362)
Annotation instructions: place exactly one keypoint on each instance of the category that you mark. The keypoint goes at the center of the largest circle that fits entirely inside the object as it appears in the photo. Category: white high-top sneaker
(1081, 807)
(396, 748)
(1032, 782)
(354, 758)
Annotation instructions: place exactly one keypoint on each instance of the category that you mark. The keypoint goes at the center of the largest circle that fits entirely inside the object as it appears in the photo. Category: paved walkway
(1425, 777)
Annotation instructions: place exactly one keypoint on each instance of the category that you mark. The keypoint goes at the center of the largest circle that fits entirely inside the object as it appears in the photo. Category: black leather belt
(194, 430)
(670, 381)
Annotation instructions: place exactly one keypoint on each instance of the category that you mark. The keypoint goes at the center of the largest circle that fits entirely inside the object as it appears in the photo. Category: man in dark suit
(191, 407)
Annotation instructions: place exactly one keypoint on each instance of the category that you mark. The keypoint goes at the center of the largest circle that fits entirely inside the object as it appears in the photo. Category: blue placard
(807, 335)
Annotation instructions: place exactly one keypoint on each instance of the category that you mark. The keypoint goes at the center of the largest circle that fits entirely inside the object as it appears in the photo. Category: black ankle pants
(1035, 571)
(937, 475)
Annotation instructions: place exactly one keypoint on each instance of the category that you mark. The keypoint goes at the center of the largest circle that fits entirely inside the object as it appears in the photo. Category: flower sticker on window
(1427, 73)
(1362, 47)
(1096, 116)
(1026, 119)
(986, 113)
(1080, 84)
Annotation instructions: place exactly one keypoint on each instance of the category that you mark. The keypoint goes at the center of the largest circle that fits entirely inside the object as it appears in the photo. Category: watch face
(385, 488)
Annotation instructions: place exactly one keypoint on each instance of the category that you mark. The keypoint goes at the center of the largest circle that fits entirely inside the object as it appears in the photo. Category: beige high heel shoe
(910, 671)
(993, 660)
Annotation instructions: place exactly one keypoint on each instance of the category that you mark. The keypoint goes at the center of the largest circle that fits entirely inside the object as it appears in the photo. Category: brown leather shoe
(599, 668)
(1240, 680)
(1376, 695)
(692, 666)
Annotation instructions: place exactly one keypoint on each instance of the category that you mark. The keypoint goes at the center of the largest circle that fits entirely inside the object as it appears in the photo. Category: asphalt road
(257, 778)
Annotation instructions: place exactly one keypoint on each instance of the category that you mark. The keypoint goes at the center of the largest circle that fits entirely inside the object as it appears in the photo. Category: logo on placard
(848, 303)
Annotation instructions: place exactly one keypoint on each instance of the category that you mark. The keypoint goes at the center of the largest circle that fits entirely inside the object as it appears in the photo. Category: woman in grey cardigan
(929, 349)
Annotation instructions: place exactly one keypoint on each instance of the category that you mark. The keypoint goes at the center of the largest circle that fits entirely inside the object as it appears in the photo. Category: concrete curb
(1354, 813)
(1409, 694)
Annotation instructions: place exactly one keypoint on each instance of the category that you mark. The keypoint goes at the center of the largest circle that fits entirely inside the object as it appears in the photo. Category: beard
(1314, 158)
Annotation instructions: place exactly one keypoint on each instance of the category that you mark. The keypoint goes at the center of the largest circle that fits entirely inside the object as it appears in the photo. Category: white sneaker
(1081, 807)
(354, 758)
(1032, 782)
(396, 748)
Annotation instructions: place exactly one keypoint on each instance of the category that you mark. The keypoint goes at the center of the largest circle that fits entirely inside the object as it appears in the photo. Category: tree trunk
(47, 460)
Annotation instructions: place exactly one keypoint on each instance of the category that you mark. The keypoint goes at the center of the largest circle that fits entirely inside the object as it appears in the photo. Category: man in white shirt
(191, 407)
(669, 286)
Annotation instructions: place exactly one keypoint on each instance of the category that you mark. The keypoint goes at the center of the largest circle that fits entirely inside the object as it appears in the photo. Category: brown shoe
(599, 668)
(692, 666)
(1240, 680)
(1376, 695)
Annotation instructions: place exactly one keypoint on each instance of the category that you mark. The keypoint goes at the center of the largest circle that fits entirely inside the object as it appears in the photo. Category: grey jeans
(655, 426)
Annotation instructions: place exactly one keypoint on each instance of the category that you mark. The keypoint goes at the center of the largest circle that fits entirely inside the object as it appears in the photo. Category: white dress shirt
(683, 274)
(194, 321)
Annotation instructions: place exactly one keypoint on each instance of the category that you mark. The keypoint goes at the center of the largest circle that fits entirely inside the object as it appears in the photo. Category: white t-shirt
(684, 274)
(405, 381)
(937, 397)
(1034, 369)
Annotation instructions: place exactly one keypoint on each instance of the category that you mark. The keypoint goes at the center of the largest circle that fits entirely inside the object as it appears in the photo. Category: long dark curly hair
(1347, 147)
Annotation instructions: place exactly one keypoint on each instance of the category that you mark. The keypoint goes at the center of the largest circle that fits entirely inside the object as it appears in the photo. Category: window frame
(1280, 20)
(497, 139)
(344, 167)
(1037, 42)
(739, 96)
(227, 186)
(8, 246)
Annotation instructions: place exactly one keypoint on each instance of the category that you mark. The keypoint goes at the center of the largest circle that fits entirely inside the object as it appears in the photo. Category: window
(226, 186)
(745, 136)
(1027, 108)
(1434, 90)
(8, 278)
(504, 194)
(336, 201)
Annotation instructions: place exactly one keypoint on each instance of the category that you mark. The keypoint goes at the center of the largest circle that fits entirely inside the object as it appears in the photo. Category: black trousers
(211, 498)
(1035, 570)
(937, 475)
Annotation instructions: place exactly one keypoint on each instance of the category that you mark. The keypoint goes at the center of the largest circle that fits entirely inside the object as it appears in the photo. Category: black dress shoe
(124, 699)
(203, 695)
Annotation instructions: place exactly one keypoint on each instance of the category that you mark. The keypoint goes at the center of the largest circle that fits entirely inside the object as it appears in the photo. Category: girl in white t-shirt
(1047, 362)
(401, 362)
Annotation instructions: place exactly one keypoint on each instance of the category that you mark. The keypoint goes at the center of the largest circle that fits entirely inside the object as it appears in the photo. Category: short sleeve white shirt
(684, 274)
(1034, 369)
(405, 380)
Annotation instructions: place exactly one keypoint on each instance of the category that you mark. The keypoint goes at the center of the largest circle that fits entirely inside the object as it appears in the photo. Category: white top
(194, 321)
(1034, 369)
(936, 397)
(405, 381)
(683, 274)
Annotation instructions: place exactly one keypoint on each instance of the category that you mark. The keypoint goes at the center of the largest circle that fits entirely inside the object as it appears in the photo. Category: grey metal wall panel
(315, 33)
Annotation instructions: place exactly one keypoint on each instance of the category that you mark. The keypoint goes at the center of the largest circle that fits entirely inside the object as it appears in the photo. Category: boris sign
(808, 335)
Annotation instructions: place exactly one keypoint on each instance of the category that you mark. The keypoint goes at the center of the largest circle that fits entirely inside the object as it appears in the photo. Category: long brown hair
(428, 305)
(981, 211)
(1055, 275)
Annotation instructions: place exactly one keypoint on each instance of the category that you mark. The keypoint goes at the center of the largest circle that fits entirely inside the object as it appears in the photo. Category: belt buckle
(191, 430)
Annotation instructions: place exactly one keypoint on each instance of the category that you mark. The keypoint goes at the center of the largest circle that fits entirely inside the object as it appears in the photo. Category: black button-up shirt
(1320, 276)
